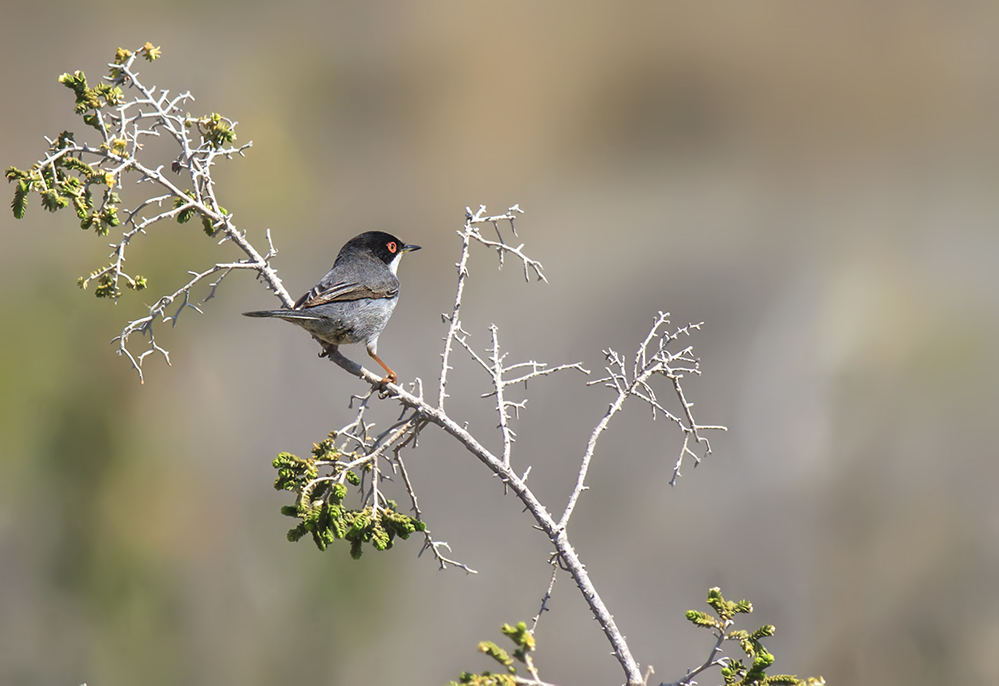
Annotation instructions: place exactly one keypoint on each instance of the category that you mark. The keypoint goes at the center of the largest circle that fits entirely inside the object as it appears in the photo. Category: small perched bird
(353, 302)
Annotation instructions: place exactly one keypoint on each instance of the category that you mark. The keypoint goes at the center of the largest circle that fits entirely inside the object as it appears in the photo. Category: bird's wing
(328, 293)
(362, 278)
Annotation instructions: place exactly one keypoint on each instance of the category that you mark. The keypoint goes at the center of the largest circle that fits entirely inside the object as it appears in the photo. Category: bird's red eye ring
(392, 247)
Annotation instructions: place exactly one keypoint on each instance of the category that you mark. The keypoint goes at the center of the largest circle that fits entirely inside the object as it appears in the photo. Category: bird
(353, 302)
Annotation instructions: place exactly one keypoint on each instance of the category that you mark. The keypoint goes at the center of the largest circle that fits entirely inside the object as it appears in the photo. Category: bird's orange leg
(391, 378)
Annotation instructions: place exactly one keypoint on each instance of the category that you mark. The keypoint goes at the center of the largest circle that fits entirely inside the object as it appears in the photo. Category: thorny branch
(468, 234)
(153, 111)
(428, 543)
(494, 366)
(557, 535)
(358, 438)
(150, 113)
(548, 595)
(672, 365)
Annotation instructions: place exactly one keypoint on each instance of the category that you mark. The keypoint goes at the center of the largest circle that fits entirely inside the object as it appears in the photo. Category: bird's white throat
(394, 264)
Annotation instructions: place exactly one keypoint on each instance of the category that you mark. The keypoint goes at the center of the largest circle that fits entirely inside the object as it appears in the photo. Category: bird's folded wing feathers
(320, 295)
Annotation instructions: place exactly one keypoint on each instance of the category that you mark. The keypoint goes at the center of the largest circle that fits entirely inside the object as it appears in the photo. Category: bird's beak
(410, 248)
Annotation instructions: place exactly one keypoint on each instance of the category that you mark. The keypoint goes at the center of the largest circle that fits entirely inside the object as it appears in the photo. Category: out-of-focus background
(815, 181)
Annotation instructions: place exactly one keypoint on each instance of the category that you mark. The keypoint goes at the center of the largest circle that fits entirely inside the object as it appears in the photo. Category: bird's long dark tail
(283, 314)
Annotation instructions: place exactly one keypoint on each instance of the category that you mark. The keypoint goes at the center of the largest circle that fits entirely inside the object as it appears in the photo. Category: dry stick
(591, 447)
(455, 324)
(497, 374)
(712, 661)
(643, 370)
(469, 232)
(429, 543)
(548, 595)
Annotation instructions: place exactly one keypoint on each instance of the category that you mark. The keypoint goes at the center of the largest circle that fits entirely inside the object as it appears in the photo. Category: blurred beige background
(815, 181)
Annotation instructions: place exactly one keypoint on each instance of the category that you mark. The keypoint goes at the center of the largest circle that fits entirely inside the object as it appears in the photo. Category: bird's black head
(384, 246)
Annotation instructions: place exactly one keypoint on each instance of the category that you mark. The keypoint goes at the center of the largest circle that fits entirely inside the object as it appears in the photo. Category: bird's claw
(383, 389)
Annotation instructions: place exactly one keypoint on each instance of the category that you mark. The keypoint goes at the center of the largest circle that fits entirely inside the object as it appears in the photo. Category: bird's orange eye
(392, 247)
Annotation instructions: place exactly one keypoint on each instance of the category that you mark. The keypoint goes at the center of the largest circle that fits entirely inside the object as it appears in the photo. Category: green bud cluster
(87, 98)
(320, 507)
(67, 181)
(190, 211)
(215, 129)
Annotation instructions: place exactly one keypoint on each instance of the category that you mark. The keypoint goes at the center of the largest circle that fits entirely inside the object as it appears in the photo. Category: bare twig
(712, 661)
(428, 541)
(468, 234)
(548, 595)
(672, 365)
(501, 405)
(494, 367)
